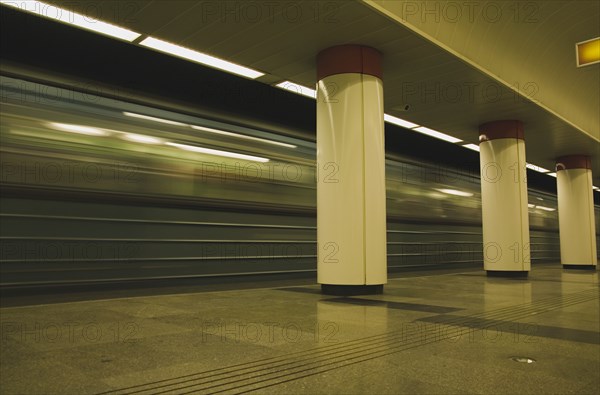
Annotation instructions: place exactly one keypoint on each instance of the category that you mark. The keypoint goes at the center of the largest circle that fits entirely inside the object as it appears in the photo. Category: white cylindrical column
(351, 215)
(576, 212)
(504, 198)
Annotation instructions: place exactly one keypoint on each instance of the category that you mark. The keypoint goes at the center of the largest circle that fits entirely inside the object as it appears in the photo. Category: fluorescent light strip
(72, 18)
(399, 121)
(436, 134)
(302, 90)
(551, 174)
(298, 89)
(149, 118)
(241, 136)
(210, 151)
(474, 147)
(537, 168)
(199, 57)
(87, 130)
(454, 192)
(424, 130)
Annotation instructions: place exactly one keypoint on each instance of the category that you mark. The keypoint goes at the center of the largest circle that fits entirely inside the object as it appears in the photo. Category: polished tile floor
(429, 333)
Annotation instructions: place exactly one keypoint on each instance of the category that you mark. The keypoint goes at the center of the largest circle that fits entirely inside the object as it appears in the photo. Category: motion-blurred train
(100, 190)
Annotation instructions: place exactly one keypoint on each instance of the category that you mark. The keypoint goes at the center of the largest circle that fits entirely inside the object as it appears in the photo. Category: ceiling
(454, 75)
(528, 46)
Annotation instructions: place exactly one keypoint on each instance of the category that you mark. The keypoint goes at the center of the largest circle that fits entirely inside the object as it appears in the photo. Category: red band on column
(349, 59)
(573, 162)
(501, 130)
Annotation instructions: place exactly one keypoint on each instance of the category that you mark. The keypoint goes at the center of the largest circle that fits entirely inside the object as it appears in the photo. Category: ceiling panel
(285, 48)
(529, 42)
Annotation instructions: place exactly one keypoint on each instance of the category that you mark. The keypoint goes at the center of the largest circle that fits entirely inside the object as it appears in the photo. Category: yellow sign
(588, 52)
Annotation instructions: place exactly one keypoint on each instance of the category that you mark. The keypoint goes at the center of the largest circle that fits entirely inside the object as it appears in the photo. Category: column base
(507, 273)
(351, 290)
(580, 267)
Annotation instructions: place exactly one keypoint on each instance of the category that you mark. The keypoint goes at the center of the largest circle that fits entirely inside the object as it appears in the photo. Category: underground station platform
(454, 331)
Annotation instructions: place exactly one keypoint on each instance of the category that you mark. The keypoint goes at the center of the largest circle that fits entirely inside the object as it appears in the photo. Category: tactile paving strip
(269, 372)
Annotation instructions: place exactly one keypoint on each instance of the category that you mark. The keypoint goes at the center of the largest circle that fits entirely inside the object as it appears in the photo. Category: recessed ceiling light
(149, 118)
(242, 136)
(297, 88)
(200, 57)
(71, 18)
(81, 129)
(436, 134)
(537, 168)
(399, 121)
(210, 151)
(474, 147)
